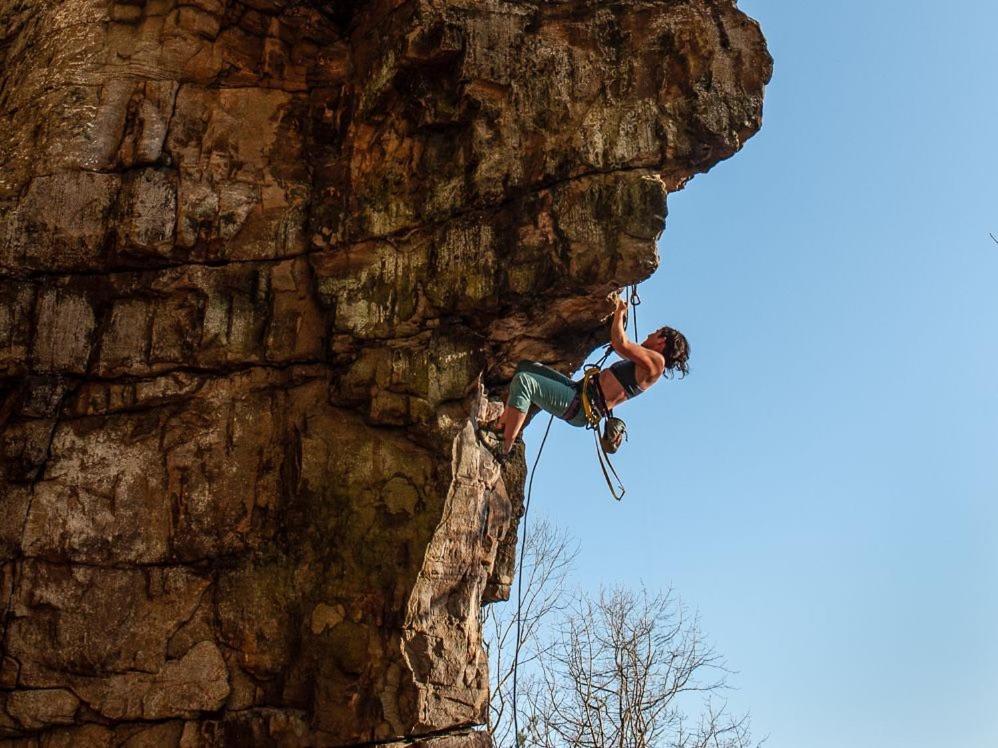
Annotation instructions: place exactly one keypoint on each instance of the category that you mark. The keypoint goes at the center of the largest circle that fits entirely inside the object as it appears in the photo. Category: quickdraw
(635, 302)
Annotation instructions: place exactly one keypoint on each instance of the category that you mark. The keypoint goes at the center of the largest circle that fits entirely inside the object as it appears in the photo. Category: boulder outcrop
(258, 259)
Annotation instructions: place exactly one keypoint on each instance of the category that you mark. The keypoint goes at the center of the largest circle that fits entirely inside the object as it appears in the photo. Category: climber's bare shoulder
(649, 365)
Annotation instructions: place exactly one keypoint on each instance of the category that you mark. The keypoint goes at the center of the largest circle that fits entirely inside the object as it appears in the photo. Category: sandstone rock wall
(257, 258)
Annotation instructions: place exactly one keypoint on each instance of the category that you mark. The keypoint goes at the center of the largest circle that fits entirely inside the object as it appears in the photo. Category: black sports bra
(626, 374)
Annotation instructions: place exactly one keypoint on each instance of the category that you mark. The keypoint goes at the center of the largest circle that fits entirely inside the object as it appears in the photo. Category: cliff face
(256, 259)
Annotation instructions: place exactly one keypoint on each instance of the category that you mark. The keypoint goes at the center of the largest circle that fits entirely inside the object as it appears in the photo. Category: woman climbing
(665, 350)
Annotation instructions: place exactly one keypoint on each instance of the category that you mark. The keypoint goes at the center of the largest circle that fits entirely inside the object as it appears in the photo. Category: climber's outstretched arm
(652, 363)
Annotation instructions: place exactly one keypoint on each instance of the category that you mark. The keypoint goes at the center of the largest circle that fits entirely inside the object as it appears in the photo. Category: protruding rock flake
(263, 264)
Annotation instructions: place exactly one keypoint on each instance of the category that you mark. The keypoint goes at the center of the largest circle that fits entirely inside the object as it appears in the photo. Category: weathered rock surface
(256, 259)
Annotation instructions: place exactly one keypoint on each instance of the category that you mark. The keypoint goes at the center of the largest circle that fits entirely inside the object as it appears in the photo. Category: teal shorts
(540, 385)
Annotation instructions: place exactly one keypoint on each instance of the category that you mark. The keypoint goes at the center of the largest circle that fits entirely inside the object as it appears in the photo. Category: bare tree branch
(621, 669)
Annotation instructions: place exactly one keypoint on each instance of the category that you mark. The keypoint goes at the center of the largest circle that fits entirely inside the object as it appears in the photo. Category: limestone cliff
(257, 259)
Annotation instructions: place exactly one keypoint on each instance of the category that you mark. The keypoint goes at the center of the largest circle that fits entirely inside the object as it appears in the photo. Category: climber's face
(654, 342)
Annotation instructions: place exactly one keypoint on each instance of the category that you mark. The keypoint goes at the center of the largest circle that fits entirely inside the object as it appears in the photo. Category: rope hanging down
(592, 370)
(595, 414)
(519, 581)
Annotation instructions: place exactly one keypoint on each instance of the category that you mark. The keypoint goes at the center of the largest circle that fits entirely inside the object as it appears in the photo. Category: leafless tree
(546, 559)
(627, 669)
(623, 669)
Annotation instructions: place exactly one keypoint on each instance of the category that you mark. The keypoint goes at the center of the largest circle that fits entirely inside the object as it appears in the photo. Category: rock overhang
(256, 259)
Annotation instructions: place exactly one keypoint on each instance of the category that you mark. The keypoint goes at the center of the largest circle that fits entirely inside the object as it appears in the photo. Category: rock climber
(665, 350)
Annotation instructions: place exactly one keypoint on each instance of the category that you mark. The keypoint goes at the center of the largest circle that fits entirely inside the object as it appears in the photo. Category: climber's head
(673, 345)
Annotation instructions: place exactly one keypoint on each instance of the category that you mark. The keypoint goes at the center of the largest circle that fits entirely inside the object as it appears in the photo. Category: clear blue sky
(824, 485)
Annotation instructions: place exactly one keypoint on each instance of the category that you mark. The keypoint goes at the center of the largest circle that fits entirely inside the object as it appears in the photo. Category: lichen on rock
(258, 259)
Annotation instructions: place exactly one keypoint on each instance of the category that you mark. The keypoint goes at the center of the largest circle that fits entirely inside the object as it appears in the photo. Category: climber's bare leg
(511, 422)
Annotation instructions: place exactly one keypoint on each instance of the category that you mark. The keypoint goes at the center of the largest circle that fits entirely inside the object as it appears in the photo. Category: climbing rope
(593, 417)
(519, 581)
(591, 370)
